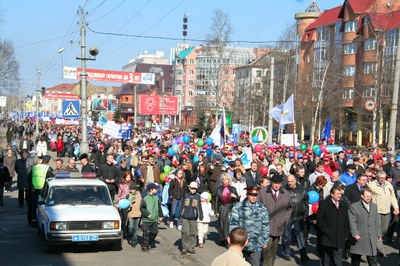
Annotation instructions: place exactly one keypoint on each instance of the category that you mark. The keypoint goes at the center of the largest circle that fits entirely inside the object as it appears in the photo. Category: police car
(77, 211)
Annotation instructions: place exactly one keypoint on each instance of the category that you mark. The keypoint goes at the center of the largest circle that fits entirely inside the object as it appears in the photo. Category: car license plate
(80, 238)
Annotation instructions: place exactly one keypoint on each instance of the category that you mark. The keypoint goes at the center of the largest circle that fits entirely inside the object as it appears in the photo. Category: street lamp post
(38, 72)
(60, 51)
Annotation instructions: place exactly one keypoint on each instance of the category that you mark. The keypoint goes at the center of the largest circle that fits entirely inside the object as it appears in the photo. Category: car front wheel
(44, 244)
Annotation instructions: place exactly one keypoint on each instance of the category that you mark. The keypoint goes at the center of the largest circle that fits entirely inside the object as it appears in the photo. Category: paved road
(19, 245)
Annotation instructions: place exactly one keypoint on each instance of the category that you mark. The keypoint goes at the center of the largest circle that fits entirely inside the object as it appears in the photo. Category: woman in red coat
(59, 146)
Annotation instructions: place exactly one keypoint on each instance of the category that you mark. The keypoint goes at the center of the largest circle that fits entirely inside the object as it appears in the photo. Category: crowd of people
(348, 199)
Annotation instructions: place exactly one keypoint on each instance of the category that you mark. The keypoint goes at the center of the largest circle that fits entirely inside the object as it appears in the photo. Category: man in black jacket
(298, 200)
(353, 191)
(333, 228)
(109, 173)
(252, 176)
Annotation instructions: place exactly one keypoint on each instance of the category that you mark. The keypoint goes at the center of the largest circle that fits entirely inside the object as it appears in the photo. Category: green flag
(229, 120)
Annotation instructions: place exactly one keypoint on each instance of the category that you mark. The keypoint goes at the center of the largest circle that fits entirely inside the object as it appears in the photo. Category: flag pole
(294, 141)
(224, 124)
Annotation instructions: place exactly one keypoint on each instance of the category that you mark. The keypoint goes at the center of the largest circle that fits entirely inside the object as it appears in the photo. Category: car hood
(82, 213)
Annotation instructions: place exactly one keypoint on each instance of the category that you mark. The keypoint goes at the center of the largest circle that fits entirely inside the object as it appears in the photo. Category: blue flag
(326, 132)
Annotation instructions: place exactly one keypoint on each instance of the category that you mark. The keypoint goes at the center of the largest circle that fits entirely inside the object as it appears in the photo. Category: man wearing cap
(191, 210)
(86, 167)
(277, 201)
(253, 217)
(350, 176)
(150, 208)
(36, 180)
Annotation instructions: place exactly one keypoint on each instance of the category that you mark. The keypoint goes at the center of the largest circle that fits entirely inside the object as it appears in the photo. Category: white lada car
(77, 211)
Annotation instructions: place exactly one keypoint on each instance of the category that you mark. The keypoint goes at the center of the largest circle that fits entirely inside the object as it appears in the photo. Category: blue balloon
(76, 152)
(187, 146)
(209, 141)
(175, 147)
(186, 139)
(318, 151)
(209, 152)
(140, 149)
(124, 203)
(171, 151)
(254, 139)
(313, 197)
(196, 159)
(138, 172)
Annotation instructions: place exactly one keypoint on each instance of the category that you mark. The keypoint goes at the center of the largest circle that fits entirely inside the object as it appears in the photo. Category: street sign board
(110, 75)
(71, 109)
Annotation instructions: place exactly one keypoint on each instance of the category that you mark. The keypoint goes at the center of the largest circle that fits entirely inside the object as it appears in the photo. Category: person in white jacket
(202, 225)
(41, 147)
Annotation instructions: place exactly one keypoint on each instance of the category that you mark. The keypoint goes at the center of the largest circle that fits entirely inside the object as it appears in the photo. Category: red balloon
(314, 208)
(330, 140)
(263, 170)
(322, 147)
(257, 148)
(261, 156)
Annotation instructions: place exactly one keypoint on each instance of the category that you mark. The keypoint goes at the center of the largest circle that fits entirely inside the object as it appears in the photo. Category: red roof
(328, 17)
(360, 6)
(62, 87)
(385, 21)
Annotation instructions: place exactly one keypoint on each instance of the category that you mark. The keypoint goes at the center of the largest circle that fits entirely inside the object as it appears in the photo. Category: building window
(368, 93)
(178, 82)
(191, 72)
(350, 26)
(369, 67)
(178, 92)
(369, 44)
(323, 34)
(348, 93)
(258, 73)
(126, 99)
(179, 71)
(349, 71)
(191, 82)
(190, 93)
(191, 61)
(349, 48)
(225, 71)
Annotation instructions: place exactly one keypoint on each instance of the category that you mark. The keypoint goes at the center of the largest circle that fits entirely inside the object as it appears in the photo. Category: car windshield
(78, 195)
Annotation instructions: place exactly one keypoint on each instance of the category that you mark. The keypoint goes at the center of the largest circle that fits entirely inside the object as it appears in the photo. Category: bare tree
(9, 68)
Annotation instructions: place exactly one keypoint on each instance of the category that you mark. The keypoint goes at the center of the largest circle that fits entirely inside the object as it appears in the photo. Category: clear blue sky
(38, 29)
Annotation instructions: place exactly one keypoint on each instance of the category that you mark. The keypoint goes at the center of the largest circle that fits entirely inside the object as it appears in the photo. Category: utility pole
(395, 98)
(38, 72)
(84, 146)
(163, 101)
(135, 106)
(271, 100)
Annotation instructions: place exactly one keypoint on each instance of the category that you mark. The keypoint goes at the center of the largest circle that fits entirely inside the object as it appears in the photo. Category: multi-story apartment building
(346, 67)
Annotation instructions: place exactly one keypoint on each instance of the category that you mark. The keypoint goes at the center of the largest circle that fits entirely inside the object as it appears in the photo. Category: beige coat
(383, 196)
(135, 207)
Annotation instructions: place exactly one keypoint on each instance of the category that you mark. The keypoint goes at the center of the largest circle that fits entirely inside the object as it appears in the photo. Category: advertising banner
(110, 75)
(152, 105)
(104, 104)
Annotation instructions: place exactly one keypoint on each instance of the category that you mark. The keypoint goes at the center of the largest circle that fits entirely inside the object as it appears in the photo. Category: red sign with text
(110, 75)
(152, 105)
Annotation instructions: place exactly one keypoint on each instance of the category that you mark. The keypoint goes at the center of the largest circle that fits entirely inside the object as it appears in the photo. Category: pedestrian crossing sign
(71, 109)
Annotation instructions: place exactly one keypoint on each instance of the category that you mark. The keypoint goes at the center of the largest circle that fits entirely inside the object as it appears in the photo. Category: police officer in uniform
(36, 180)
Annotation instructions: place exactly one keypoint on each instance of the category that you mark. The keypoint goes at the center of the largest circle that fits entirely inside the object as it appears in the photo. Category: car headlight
(111, 225)
(58, 226)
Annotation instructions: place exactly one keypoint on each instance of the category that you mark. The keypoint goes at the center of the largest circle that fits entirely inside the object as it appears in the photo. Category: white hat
(204, 195)
(193, 185)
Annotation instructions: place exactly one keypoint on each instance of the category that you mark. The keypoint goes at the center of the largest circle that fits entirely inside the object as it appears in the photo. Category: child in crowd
(191, 211)
(123, 193)
(150, 207)
(134, 214)
(202, 225)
